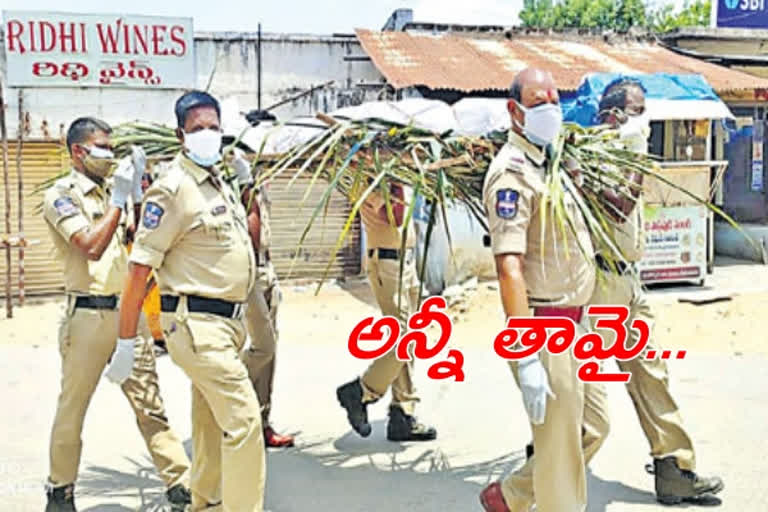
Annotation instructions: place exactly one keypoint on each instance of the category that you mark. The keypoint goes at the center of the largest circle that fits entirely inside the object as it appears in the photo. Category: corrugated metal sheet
(288, 221)
(480, 62)
(43, 272)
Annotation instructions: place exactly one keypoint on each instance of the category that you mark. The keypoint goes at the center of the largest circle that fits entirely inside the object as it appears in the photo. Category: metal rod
(4, 135)
(20, 178)
(258, 70)
(300, 95)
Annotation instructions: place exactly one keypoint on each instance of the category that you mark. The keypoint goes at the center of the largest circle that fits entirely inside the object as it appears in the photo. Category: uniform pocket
(213, 232)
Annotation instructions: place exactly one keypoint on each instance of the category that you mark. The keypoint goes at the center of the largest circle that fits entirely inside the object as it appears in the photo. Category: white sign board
(98, 50)
(675, 244)
(757, 175)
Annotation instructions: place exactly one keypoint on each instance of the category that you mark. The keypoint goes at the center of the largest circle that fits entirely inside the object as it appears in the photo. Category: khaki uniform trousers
(649, 386)
(387, 372)
(87, 338)
(261, 325)
(228, 465)
(555, 477)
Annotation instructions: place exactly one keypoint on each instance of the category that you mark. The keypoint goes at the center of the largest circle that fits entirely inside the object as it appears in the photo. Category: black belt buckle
(96, 302)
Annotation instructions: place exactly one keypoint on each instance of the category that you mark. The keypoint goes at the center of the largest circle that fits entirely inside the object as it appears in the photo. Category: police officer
(623, 106)
(82, 219)
(538, 273)
(193, 233)
(387, 372)
(263, 302)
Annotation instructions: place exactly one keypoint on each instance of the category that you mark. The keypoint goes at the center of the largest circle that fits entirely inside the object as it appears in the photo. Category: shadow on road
(114, 485)
(351, 474)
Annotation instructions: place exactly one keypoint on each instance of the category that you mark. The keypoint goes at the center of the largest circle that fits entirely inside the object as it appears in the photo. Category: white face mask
(203, 147)
(97, 152)
(634, 133)
(542, 123)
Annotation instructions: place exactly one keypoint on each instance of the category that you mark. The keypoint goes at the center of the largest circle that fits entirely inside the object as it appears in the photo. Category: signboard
(740, 13)
(757, 156)
(675, 244)
(98, 50)
(757, 176)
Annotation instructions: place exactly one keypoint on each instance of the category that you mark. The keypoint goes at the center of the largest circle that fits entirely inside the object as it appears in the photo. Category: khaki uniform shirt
(512, 193)
(72, 204)
(380, 234)
(194, 233)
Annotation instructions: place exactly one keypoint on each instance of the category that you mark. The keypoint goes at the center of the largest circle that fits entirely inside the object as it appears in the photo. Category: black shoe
(161, 348)
(404, 427)
(179, 497)
(350, 397)
(529, 450)
(675, 485)
(61, 499)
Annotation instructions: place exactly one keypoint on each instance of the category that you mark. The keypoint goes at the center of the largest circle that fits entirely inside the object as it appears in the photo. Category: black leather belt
(621, 267)
(195, 304)
(387, 254)
(96, 302)
(260, 263)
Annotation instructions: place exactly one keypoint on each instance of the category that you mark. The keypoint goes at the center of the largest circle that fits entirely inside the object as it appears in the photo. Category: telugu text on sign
(98, 50)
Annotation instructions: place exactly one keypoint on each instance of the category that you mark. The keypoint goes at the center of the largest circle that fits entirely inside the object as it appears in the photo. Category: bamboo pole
(20, 178)
(4, 136)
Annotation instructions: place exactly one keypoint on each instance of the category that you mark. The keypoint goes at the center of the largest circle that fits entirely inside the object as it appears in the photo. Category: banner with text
(740, 13)
(98, 50)
(675, 244)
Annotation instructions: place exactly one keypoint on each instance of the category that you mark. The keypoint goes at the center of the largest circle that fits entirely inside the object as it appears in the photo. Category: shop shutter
(43, 275)
(289, 220)
(42, 272)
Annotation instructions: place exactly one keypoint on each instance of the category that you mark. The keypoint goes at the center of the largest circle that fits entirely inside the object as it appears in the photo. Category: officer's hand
(535, 387)
(121, 365)
(122, 185)
(242, 168)
(139, 162)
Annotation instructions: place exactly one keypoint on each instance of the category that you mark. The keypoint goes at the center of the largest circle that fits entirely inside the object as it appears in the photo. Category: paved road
(481, 423)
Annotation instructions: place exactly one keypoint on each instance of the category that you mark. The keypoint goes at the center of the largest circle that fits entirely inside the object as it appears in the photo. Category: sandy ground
(482, 427)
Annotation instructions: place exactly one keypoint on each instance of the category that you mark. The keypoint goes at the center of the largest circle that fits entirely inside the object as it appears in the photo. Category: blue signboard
(742, 13)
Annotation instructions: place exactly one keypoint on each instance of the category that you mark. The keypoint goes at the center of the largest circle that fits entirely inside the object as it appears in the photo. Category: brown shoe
(274, 440)
(492, 499)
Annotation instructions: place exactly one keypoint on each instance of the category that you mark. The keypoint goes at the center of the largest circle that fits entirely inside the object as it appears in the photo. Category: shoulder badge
(65, 206)
(506, 203)
(515, 159)
(152, 215)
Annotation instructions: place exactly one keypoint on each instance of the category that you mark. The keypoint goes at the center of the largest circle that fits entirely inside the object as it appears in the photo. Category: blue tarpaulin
(581, 107)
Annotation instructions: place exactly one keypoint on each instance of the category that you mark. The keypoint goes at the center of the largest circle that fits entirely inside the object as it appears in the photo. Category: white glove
(121, 365)
(535, 387)
(122, 185)
(139, 161)
(242, 168)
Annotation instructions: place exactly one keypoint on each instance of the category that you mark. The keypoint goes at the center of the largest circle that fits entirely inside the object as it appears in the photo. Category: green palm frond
(357, 158)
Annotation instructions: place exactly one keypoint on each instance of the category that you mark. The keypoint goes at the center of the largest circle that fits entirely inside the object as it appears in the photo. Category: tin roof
(478, 62)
